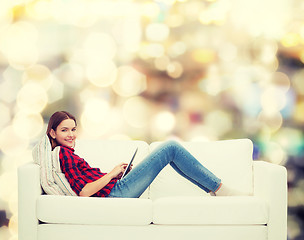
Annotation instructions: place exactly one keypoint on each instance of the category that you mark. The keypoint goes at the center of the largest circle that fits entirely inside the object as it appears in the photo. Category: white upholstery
(29, 189)
(175, 214)
(237, 210)
(270, 184)
(152, 232)
(230, 160)
(75, 210)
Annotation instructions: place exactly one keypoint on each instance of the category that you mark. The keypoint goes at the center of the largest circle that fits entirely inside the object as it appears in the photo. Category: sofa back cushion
(106, 154)
(230, 160)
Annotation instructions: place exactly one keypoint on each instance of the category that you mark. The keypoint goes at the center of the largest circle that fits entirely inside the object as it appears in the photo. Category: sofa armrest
(28, 190)
(270, 183)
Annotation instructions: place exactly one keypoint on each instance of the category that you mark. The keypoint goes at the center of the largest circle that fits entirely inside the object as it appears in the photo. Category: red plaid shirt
(78, 172)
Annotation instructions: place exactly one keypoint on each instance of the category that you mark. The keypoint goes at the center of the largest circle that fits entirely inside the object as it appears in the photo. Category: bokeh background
(195, 70)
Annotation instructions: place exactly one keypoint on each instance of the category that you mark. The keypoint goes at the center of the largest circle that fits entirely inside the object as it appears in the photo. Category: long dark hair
(54, 121)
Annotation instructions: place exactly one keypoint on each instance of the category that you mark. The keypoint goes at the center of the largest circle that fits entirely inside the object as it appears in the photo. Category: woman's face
(65, 133)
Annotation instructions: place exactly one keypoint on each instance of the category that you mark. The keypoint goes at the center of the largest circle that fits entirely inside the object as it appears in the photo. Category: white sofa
(171, 208)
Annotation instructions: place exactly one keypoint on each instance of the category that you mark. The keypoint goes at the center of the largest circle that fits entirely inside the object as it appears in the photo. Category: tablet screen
(129, 165)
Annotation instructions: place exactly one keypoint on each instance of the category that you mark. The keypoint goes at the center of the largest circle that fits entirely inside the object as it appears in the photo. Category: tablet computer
(129, 165)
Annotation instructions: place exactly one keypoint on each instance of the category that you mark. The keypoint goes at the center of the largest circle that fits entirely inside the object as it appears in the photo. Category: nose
(71, 133)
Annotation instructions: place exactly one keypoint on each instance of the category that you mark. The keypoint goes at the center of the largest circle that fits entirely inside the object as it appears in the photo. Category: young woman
(88, 181)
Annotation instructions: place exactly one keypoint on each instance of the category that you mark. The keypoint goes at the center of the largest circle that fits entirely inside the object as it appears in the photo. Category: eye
(74, 129)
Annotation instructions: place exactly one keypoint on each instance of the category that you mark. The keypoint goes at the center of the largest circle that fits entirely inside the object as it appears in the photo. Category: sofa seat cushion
(237, 210)
(93, 210)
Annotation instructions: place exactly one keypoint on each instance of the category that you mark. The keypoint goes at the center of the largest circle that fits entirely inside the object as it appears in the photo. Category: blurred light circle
(6, 15)
(19, 33)
(11, 143)
(213, 84)
(265, 49)
(129, 82)
(8, 183)
(5, 115)
(273, 121)
(128, 34)
(204, 56)
(81, 14)
(157, 32)
(13, 222)
(102, 74)
(60, 8)
(194, 101)
(28, 126)
(4, 230)
(9, 90)
(153, 50)
(11, 163)
(22, 58)
(93, 127)
(175, 69)
(292, 140)
(297, 82)
(269, 51)
(72, 74)
(177, 49)
(281, 80)
(96, 109)
(19, 45)
(87, 93)
(38, 74)
(216, 15)
(275, 153)
(94, 119)
(201, 133)
(55, 92)
(164, 122)
(302, 55)
(219, 121)
(175, 20)
(298, 113)
(291, 39)
(274, 65)
(13, 207)
(136, 112)
(228, 52)
(32, 98)
(150, 9)
(205, 17)
(40, 10)
(99, 46)
(161, 63)
(273, 99)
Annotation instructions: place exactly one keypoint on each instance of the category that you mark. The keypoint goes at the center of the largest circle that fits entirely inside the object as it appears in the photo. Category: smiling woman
(62, 129)
(87, 181)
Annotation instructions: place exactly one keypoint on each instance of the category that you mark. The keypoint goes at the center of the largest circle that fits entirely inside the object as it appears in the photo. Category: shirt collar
(72, 149)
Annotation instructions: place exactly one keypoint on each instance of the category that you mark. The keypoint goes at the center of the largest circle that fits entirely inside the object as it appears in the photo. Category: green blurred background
(195, 70)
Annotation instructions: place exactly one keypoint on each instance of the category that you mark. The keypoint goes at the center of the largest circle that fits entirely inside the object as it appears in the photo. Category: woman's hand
(118, 170)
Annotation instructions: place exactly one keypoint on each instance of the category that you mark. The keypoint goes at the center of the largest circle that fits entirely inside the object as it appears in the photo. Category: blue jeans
(139, 178)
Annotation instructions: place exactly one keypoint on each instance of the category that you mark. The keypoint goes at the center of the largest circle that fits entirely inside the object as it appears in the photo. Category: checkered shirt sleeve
(78, 172)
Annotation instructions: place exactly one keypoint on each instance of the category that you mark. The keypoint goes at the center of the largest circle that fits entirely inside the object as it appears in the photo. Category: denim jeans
(171, 152)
